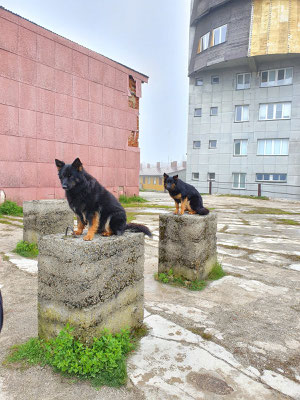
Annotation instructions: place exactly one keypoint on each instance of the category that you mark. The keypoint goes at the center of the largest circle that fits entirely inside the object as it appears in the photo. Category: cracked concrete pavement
(237, 339)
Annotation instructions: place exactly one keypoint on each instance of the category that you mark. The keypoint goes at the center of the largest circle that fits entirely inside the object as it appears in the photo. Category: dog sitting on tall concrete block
(186, 194)
(93, 205)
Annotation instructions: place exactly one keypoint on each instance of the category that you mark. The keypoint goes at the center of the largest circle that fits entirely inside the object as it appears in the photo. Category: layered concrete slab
(187, 244)
(90, 285)
(44, 217)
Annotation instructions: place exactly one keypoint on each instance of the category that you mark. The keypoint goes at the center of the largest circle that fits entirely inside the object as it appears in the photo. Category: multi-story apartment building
(244, 107)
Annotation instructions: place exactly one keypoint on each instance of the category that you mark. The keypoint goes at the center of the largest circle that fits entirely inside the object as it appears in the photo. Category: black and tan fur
(93, 204)
(186, 196)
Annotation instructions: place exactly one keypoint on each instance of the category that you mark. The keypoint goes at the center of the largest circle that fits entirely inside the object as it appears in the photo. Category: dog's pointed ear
(59, 164)
(166, 176)
(77, 164)
(175, 177)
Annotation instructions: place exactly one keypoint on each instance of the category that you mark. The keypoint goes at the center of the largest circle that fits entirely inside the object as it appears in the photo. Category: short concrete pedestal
(187, 244)
(44, 217)
(90, 285)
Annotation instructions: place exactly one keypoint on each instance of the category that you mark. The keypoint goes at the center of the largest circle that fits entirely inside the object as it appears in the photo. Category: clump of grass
(26, 249)
(266, 210)
(170, 278)
(216, 273)
(244, 196)
(10, 208)
(287, 222)
(132, 199)
(102, 363)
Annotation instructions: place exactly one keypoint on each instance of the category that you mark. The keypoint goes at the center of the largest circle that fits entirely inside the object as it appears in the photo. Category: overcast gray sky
(150, 36)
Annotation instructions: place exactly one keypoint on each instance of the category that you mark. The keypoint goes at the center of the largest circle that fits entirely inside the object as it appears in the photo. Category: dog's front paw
(175, 212)
(88, 237)
(78, 232)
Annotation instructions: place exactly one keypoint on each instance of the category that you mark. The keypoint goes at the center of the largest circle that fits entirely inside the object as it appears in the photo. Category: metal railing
(256, 188)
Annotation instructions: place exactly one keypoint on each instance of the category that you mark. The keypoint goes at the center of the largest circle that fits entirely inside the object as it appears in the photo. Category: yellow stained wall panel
(275, 27)
(294, 34)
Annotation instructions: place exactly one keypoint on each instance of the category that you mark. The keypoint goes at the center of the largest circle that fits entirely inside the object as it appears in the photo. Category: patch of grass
(177, 280)
(244, 221)
(244, 196)
(201, 332)
(286, 222)
(140, 205)
(26, 249)
(5, 258)
(216, 273)
(7, 222)
(102, 363)
(11, 208)
(133, 199)
(266, 210)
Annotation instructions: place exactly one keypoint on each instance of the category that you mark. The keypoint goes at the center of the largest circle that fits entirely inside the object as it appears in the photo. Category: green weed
(26, 249)
(133, 199)
(176, 280)
(216, 273)
(102, 363)
(11, 208)
(286, 222)
(266, 210)
(245, 196)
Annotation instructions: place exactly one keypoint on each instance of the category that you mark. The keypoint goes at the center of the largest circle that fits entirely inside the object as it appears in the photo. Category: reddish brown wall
(61, 100)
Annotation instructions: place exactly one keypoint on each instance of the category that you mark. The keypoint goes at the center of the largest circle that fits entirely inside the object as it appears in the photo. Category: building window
(215, 80)
(196, 144)
(240, 147)
(199, 82)
(154, 180)
(203, 42)
(241, 113)
(243, 81)
(272, 111)
(195, 176)
(277, 77)
(198, 112)
(271, 177)
(160, 181)
(219, 35)
(212, 144)
(213, 111)
(239, 181)
(272, 147)
(211, 176)
(149, 180)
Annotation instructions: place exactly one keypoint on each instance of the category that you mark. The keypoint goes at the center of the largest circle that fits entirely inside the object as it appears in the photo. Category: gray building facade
(244, 104)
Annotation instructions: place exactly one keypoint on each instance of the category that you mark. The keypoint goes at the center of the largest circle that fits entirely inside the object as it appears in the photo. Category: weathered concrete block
(90, 285)
(44, 217)
(187, 244)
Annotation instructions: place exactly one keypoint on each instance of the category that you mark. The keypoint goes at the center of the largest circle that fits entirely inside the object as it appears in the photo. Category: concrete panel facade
(61, 100)
(223, 128)
(216, 100)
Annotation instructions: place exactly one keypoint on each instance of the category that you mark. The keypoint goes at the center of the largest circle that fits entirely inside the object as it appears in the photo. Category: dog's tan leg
(192, 212)
(183, 206)
(177, 208)
(80, 227)
(92, 228)
(107, 231)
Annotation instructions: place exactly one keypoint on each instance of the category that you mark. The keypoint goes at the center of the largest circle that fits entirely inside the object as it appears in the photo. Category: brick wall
(61, 100)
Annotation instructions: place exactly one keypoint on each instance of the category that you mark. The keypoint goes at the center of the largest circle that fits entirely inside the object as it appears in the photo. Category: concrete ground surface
(239, 338)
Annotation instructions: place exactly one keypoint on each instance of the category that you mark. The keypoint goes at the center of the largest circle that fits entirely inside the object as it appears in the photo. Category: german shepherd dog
(186, 194)
(93, 204)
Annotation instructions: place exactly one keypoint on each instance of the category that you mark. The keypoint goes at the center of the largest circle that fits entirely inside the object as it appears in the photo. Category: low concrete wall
(187, 244)
(44, 217)
(90, 285)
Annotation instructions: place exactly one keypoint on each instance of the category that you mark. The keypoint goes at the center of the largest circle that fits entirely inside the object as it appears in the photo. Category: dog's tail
(202, 211)
(138, 228)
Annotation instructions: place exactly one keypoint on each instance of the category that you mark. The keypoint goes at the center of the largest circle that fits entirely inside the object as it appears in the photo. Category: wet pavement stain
(209, 383)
